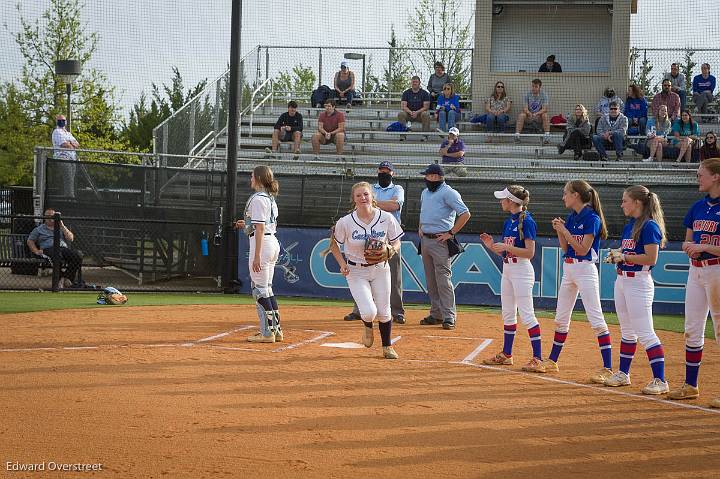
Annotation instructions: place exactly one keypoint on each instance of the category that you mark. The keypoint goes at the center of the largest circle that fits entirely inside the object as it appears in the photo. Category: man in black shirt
(289, 127)
(415, 104)
(550, 66)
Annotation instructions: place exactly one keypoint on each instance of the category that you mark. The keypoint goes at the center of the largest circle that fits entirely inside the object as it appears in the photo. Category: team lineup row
(370, 239)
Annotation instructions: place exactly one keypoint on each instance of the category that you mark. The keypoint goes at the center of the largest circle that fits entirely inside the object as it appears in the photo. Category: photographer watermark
(52, 466)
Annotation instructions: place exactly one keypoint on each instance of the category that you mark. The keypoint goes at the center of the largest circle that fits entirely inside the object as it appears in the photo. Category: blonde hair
(361, 184)
(584, 111)
(522, 194)
(590, 196)
(651, 211)
(452, 89)
(712, 165)
(265, 178)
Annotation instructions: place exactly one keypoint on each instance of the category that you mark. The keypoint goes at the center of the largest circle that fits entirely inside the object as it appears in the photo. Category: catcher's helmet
(111, 295)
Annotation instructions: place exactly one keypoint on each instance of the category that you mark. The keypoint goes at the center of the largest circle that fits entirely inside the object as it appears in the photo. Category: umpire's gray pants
(396, 290)
(702, 100)
(436, 262)
(67, 172)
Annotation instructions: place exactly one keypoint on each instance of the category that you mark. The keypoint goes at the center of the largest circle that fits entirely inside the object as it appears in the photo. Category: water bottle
(204, 244)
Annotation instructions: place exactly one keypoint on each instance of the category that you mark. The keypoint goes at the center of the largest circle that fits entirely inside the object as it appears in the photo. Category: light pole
(358, 56)
(68, 71)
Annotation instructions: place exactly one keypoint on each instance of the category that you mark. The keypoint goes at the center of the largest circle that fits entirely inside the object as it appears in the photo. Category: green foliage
(436, 25)
(397, 73)
(686, 68)
(643, 78)
(18, 137)
(299, 79)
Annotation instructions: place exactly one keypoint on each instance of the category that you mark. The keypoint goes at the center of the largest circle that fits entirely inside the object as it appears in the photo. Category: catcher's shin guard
(262, 294)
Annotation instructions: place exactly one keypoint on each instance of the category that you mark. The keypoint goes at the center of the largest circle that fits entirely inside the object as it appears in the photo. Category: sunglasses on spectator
(500, 86)
(613, 109)
(447, 88)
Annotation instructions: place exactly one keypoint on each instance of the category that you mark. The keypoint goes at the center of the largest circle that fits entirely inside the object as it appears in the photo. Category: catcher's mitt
(377, 251)
(111, 295)
(614, 256)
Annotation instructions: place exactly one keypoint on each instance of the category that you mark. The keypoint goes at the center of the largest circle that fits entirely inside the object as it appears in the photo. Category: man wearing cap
(415, 104)
(452, 152)
(550, 66)
(345, 84)
(442, 215)
(389, 197)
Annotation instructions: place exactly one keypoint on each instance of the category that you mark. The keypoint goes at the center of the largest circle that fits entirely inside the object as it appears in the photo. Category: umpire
(389, 197)
(442, 215)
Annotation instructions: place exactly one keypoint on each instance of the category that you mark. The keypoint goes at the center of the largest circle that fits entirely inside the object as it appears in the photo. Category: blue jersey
(649, 234)
(587, 222)
(703, 219)
(511, 235)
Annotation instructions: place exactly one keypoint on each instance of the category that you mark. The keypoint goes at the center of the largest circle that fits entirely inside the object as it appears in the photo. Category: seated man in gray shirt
(611, 130)
(40, 242)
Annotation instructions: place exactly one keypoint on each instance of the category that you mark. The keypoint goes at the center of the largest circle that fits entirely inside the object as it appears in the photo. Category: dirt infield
(178, 392)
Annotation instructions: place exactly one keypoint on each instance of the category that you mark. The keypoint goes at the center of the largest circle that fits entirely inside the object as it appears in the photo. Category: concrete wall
(591, 45)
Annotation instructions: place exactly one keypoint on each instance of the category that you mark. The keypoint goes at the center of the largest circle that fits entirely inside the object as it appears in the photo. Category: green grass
(22, 302)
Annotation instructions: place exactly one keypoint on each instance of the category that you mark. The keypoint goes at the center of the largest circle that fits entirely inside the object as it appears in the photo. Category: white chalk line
(319, 337)
(222, 335)
(450, 337)
(476, 351)
(232, 348)
(597, 389)
(395, 339)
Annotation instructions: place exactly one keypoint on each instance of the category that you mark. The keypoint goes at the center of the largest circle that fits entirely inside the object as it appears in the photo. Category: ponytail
(521, 218)
(595, 203)
(588, 195)
(652, 210)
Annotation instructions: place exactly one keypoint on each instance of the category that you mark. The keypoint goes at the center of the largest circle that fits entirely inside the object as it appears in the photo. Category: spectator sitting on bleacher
(550, 66)
(710, 147)
(611, 130)
(497, 107)
(603, 106)
(658, 129)
(448, 108)
(289, 127)
(452, 151)
(677, 83)
(40, 242)
(345, 85)
(577, 133)
(636, 111)
(535, 110)
(703, 86)
(669, 99)
(331, 129)
(686, 132)
(437, 82)
(415, 104)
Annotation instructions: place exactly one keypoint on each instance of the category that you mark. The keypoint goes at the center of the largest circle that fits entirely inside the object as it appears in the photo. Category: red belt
(510, 260)
(705, 262)
(629, 274)
(573, 260)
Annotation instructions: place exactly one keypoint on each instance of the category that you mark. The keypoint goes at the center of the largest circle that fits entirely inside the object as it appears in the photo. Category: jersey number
(713, 240)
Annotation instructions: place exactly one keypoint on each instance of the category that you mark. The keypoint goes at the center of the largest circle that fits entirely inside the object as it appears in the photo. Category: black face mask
(433, 185)
(384, 179)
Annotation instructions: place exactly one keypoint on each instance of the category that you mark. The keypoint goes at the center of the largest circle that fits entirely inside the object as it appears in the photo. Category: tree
(397, 73)
(643, 78)
(686, 68)
(437, 28)
(299, 79)
(164, 101)
(18, 137)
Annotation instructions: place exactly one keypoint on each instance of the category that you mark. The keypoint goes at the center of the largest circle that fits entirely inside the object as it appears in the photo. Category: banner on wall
(476, 273)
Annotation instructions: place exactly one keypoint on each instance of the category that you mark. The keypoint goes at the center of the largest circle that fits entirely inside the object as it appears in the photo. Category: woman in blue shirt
(518, 278)
(448, 107)
(642, 239)
(686, 132)
(636, 108)
(579, 236)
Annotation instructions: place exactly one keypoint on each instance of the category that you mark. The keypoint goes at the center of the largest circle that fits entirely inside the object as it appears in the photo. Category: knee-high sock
(693, 358)
(535, 341)
(508, 338)
(276, 310)
(627, 353)
(385, 332)
(656, 356)
(605, 349)
(269, 314)
(558, 343)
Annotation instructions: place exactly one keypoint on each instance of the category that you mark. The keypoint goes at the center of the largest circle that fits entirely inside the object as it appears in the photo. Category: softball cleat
(715, 403)
(550, 366)
(618, 379)
(259, 338)
(602, 375)
(535, 365)
(684, 392)
(279, 336)
(655, 387)
(389, 353)
(368, 337)
(500, 359)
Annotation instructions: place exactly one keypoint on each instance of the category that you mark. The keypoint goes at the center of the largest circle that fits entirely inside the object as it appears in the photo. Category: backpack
(396, 126)
(319, 96)
(479, 119)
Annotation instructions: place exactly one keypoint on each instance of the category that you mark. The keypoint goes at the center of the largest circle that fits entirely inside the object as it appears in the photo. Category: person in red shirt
(331, 129)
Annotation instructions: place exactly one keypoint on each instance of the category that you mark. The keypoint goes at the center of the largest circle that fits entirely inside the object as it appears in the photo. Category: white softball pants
(633, 304)
(516, 292)
(580, 277)
(702, 295)
(268, 258)
(370, 288)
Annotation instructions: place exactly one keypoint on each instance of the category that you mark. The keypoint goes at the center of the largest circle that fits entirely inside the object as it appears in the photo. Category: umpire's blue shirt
(392, 192)
(439, 208)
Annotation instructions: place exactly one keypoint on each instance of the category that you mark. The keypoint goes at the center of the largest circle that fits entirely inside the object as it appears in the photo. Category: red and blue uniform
(649, 234)
(511, 233)
(703, 219)
(587, 221)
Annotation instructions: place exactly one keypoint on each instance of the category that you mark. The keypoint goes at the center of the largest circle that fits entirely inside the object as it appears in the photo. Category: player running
(370, 236)
(642, 239)
(579, 238)
(518, 277)
(702, 245)
(260, 223)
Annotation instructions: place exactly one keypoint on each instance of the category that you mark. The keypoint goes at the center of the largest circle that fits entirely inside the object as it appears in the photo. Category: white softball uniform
(369, 284)
(579, 277)
(262, 209)
(518, 278)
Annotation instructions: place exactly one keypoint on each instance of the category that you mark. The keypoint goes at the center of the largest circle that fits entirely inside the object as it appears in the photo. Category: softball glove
(614, 256)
